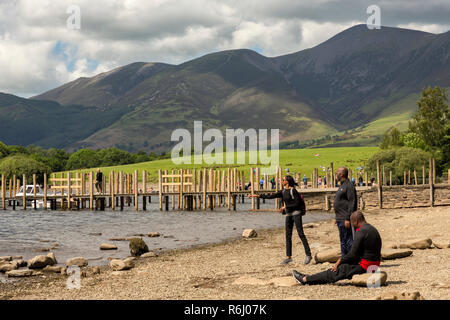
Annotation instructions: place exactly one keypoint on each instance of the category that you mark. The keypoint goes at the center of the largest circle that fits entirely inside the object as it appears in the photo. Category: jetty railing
(209, 188)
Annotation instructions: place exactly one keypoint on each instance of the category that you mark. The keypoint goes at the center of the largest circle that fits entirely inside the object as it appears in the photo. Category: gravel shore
(210, 272)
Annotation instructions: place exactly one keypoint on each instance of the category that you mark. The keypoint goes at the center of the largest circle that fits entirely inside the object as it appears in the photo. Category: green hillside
(301, 161)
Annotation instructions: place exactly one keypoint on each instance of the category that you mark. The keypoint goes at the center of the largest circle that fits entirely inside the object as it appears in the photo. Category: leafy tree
(17, 150)
(21, 164)
(432, 117)
(83, 158)
(399, 160)
(413, 140)
(4, 151)
(114, 156)
(391, 139)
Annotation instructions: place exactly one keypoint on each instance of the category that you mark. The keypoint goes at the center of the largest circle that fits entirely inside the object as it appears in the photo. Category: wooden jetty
(197, 189)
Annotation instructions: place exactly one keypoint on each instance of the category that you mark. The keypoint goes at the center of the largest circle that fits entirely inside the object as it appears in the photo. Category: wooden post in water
(144, 190)
(112, 191)
(415, 177)
(24, 193)
(404, 178)
(409, 177)
(3, 192)
(204, 188)
(10, 192)
(45, 191)
(136, 191)
(14, 192)
(160, 189)
(384, 177)
(91, 191)
(69, 189)
(366, 176)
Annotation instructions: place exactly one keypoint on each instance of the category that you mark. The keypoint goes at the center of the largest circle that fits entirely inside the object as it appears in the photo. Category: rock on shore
(249, 233)
(331, 255)
(370, 279)
(41, 261)
(119, 265)
(138, 247)
(108, 246)
(388, 254)
(77, 261)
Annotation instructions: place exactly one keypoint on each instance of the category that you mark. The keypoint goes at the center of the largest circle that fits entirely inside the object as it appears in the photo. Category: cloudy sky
(41, 46)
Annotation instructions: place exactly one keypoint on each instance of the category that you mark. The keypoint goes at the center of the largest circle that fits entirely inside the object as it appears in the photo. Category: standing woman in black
(294, 208)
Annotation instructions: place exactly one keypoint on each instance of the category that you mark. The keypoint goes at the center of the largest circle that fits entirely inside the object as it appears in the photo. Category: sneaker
(308, 259)
(298, 277)
(286, 261)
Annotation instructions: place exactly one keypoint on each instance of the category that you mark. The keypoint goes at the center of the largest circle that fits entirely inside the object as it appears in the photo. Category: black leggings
(344, 271)
(290, 220)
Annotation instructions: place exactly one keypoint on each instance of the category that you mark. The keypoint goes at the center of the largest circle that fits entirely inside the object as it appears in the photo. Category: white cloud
(117, 32)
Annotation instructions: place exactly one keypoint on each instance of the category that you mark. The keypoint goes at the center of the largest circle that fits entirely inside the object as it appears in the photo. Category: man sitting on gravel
(366, 251)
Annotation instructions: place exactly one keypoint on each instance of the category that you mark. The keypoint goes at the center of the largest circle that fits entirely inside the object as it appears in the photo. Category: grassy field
(301, 161)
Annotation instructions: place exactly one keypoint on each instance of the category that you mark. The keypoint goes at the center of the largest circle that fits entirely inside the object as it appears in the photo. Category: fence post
(379, 188)
(431, 174)
(3, 192)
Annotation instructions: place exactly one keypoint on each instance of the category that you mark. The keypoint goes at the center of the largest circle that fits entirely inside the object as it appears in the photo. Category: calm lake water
(80, 233)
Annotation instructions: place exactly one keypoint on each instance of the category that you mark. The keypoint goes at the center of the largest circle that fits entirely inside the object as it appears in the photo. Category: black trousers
(290, 221)
(344, 271)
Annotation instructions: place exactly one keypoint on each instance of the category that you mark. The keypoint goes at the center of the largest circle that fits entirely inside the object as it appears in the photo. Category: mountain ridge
(345, 82)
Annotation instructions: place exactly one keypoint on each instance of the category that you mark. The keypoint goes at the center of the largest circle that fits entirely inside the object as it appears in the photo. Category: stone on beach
(388, 254)
(370, 279)
(55, 269)
(153, 234)
(414, 295)
(138, 247)
(96, 270)
(51, 255)
(441, 244)
(40, 262)
(150, 254)
(77, 261)
(8, 266)
(21, 263)
(331, 255)
(249, 233)
(119, 265)
(108, 246)
(19, 273)
(5, 258)
(417, 244)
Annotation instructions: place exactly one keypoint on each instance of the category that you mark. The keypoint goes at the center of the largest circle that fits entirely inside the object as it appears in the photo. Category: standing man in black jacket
(344, 205)
(366, 252)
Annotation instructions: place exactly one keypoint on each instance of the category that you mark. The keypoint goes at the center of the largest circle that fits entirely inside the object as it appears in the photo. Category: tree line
(20, 160)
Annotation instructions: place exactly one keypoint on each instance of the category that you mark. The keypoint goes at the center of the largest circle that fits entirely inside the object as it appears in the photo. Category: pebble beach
(249, 268)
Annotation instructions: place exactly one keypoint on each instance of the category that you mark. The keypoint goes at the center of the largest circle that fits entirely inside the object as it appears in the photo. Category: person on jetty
(294, 208)
(99, 181)
(366, 252)
(344, 204)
